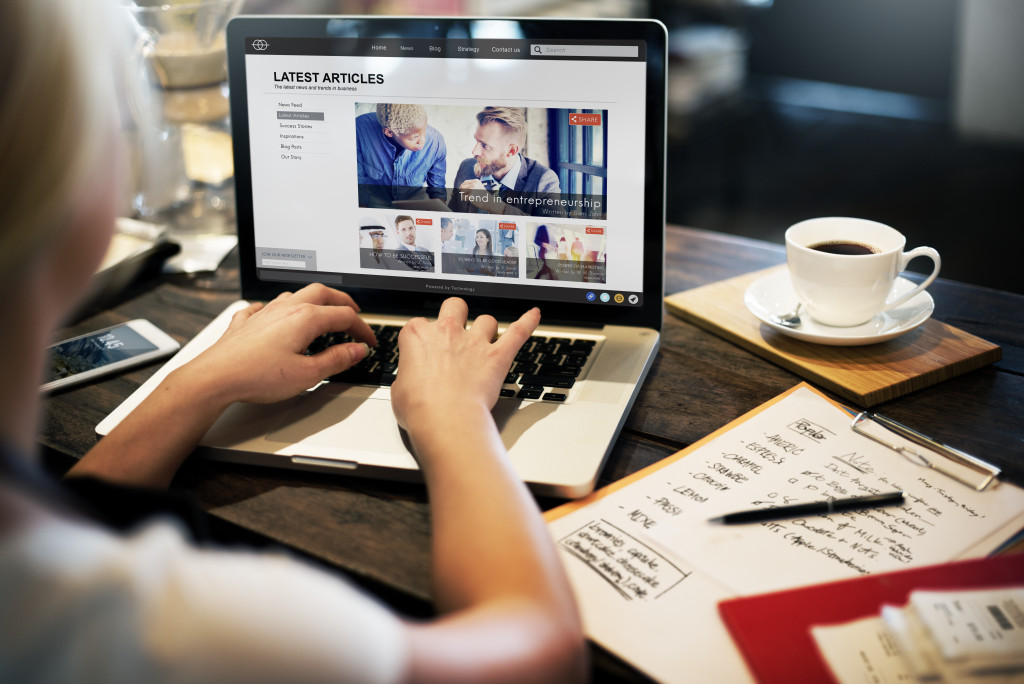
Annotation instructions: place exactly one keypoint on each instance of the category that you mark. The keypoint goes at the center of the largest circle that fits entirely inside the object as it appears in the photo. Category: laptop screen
(414, 159)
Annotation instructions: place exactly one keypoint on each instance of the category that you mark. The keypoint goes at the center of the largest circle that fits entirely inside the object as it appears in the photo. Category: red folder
(773, 631)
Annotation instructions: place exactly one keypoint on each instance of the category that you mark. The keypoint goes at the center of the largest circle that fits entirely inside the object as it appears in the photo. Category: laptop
(362, 147)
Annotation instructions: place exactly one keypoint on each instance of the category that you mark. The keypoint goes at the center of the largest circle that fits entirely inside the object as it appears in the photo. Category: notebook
(362, 147)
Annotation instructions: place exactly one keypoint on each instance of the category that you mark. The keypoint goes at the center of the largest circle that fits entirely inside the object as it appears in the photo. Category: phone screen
(93, 351)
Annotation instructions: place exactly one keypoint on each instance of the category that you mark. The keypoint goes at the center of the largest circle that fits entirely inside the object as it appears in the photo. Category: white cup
(844, 290)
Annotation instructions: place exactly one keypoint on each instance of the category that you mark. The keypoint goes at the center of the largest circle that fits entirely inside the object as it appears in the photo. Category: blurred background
(910, 113)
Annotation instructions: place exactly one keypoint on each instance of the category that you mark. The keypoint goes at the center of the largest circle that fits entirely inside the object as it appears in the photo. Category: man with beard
(499, 179)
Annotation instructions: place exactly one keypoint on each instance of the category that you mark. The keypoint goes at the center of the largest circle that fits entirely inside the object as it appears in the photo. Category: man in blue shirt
(397, 154)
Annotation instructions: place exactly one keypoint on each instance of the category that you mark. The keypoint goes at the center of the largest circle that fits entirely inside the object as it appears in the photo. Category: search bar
(545, 50)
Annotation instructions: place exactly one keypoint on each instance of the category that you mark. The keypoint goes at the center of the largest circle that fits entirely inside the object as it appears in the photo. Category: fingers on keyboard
(542, 363)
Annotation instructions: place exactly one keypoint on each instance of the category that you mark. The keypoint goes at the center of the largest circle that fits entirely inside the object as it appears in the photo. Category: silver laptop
(513, 163)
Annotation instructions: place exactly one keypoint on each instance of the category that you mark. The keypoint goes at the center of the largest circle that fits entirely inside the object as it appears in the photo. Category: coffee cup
(843, 269)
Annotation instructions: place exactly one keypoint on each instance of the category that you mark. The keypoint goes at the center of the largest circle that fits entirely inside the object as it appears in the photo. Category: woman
(480, 261)
(542, 246)
(483, 243)
(79, 602)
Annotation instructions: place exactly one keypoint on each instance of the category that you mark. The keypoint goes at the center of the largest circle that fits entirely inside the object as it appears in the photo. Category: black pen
(818, 507)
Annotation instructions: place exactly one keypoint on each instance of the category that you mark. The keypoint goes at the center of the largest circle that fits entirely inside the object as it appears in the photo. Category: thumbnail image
(574, 253)
(397, 242)
(400, 157)
(487, 247)
(491, 159)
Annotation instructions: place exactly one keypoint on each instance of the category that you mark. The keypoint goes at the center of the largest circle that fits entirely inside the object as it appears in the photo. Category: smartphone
(102, 352)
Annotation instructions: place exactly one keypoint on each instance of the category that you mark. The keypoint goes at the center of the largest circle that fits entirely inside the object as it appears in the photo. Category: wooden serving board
(868, 375)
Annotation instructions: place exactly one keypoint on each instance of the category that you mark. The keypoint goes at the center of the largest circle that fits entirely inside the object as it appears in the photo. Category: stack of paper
(938, 636)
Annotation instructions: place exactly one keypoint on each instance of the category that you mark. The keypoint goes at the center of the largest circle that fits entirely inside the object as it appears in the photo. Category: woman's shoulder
(43, 546)
(63, 578)
(17, 511)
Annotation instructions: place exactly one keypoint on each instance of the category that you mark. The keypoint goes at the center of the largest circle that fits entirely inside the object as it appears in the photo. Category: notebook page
(649, 568)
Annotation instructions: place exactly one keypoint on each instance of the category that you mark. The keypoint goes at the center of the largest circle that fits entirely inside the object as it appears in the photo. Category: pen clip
(928, 452)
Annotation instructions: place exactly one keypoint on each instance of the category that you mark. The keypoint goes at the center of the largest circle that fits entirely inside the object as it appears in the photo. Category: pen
(818, 507)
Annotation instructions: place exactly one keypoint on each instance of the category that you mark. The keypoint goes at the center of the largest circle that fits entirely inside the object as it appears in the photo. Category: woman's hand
(442, 366)
(497, 576)
(261, 359)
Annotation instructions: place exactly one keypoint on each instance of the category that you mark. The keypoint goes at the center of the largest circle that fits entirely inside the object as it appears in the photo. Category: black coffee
(845, 247)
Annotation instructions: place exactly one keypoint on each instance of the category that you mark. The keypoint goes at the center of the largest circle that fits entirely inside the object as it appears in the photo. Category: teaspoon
(790, 319)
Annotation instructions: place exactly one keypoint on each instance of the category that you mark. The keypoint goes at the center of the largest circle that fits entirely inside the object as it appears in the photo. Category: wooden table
(378, 532)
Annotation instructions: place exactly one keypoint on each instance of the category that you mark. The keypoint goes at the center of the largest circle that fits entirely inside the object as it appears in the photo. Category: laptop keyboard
(545, 368)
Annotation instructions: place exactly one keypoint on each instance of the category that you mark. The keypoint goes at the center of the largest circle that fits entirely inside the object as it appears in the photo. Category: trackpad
(328, 423)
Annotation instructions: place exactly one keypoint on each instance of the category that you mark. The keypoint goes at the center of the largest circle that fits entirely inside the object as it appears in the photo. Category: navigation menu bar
(631, 51)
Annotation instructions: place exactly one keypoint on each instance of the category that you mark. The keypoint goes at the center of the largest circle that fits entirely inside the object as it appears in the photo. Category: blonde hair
(511, 119)
(400, 118)
(56, 106)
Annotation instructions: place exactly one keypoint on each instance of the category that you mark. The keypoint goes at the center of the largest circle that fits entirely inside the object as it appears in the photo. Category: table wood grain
(378, 532)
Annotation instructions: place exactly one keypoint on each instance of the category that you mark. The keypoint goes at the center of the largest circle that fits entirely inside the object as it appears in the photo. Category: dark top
(116, 506)
(534, 181)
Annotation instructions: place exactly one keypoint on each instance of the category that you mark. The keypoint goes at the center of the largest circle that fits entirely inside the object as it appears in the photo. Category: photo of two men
(498, 160)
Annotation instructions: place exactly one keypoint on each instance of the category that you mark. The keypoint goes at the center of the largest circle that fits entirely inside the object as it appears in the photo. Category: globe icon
(260, 44)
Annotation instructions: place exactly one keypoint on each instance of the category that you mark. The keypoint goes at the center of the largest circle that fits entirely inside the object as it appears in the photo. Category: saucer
(773, 294)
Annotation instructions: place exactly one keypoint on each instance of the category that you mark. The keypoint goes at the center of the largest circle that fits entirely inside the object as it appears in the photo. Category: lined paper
(649, 569)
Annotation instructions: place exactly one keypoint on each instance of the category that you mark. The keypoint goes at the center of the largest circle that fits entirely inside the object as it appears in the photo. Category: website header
(630, 51)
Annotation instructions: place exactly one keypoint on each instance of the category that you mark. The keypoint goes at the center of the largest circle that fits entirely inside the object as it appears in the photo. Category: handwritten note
(632, 568)
(649, 568)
